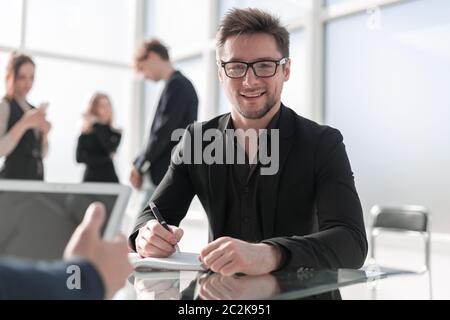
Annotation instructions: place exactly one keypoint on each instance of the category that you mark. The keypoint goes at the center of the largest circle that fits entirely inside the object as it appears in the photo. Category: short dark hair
(253, 21)
(155, 46)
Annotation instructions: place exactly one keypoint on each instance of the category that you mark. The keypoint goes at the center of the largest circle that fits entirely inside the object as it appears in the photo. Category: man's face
(148, 65)
(252, 96)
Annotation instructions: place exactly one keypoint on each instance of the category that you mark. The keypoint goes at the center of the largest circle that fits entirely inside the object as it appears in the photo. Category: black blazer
(310, 207)
(25, 161)
(177, 108)
(95, 149)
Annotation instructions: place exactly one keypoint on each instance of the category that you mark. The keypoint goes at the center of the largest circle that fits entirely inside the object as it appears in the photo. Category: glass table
(190, 285)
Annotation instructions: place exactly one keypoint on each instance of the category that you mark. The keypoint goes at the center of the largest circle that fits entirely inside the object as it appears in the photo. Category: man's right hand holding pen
(154, 240)
(224, 255)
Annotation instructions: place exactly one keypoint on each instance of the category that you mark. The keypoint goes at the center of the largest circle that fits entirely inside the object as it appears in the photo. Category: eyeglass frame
(279, 62)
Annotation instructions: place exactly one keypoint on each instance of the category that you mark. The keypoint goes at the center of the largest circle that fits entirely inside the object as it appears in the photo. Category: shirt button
(246, 219)
(246, 189)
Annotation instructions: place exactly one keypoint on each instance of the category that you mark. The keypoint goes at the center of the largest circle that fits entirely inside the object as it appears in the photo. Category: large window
(286, 10)
(178, 23)
(10, 19)
(332, 2)
(387, 90)
(101, 29)
(78, 50)
(294, 89)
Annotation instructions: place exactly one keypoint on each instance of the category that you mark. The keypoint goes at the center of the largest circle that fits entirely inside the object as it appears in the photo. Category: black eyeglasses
(262, 69)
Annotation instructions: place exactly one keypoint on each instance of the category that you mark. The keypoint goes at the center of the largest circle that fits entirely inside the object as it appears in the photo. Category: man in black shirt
(298, 211)
(177, 108)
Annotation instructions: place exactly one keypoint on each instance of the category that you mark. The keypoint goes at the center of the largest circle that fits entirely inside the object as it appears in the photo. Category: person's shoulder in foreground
(92, 268)
(49, 280)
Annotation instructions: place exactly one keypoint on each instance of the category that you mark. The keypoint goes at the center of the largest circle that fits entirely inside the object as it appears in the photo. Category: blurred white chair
(407, 220)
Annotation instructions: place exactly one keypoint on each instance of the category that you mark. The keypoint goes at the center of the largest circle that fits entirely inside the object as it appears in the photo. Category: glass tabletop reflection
(309, 284)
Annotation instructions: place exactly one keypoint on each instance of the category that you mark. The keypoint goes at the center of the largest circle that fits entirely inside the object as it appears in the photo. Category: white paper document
(177, 261)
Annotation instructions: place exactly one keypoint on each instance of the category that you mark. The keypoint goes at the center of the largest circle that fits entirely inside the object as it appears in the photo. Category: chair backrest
(408, 218)
(415, 219)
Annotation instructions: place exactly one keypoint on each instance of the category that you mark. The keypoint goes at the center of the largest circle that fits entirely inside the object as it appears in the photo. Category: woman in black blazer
(98, 141)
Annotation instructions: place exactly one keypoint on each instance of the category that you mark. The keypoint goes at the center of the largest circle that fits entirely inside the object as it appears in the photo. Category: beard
(252, 112)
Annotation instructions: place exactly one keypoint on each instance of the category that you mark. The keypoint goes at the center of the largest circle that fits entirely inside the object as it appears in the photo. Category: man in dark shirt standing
(298, 210)
(177, 108)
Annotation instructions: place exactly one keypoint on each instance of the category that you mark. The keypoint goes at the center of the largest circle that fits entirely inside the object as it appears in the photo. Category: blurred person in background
(177, 108)
(23, 128)
(98, 141)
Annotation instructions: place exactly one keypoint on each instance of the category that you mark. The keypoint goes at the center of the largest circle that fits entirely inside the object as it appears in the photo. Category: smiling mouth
(252, 94)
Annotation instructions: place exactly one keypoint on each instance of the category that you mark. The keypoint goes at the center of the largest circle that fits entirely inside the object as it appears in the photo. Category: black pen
(161, 220)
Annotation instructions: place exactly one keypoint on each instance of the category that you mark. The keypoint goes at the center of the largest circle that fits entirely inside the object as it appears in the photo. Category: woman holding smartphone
(98, 141)
(23, 128)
